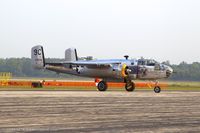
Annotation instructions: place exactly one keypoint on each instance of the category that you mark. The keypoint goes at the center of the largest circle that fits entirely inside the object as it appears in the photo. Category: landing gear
(157, 89)
(130, 86)
(102, 86)
(155, 84)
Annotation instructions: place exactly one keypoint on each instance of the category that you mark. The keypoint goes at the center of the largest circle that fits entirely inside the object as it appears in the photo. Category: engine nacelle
(121, 70)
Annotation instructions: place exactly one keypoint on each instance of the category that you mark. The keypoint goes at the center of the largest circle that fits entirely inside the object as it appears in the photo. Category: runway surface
(93, 111)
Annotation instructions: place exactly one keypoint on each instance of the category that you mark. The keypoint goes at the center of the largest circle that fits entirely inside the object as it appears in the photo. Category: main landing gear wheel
(130, 86)
(157, 89)
(102, 86)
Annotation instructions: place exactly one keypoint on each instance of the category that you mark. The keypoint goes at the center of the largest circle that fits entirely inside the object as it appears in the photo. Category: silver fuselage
(139, 70)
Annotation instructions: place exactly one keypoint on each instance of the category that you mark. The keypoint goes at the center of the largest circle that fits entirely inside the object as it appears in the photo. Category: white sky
(158, 29)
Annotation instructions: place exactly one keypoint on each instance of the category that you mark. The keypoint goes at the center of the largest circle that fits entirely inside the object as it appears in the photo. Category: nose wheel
(157, 89)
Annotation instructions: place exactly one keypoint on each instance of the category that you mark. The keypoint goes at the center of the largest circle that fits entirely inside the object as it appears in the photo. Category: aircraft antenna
(126, 57)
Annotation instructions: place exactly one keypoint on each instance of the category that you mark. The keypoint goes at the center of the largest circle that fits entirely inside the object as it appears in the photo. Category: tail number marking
(37, 52)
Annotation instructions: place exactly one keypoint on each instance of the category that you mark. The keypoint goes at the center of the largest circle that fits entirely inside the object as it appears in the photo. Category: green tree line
(186, 72)
(21, 67)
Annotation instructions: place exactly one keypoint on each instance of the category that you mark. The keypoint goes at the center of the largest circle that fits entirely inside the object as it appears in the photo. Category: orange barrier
(80, 84)
(19, 83)
(93, 84)
(67, 83)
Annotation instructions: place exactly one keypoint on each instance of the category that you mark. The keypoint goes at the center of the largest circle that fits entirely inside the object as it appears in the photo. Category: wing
(89, 64)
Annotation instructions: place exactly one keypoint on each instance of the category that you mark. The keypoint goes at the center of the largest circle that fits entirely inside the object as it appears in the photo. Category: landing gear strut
(102, 86)
(130, 86)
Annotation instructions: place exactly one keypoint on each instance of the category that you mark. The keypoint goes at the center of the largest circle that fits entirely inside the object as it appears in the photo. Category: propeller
(125, 70)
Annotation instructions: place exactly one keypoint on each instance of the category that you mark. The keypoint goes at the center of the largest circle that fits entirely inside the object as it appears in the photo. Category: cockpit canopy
(148, 62)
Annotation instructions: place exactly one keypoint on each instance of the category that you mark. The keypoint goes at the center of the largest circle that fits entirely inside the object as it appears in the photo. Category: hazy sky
(158, 29)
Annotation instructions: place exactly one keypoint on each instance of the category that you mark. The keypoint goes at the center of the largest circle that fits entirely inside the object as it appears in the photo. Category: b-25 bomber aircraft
(115, 70)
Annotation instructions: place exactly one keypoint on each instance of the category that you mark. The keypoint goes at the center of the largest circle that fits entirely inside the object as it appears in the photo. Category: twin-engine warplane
(116, 70)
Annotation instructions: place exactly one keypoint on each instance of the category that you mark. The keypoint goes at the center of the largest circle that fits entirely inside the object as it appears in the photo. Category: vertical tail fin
(71, 55)
(37, 57)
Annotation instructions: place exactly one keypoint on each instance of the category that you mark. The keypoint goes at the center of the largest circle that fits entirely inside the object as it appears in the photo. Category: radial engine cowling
(122, 70)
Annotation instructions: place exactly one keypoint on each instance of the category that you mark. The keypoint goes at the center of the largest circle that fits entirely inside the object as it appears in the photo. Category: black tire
(102, 86)
(36, 85)
(157, 89)
(130, 87)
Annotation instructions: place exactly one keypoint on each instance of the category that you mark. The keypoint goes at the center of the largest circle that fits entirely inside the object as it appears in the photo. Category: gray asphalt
(93, 111)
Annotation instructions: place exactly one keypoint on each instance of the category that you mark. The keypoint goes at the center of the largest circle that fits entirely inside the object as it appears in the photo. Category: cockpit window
(147, 62)
(151, 63)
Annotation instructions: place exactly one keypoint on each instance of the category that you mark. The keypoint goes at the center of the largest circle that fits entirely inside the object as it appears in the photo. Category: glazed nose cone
(169, 71)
